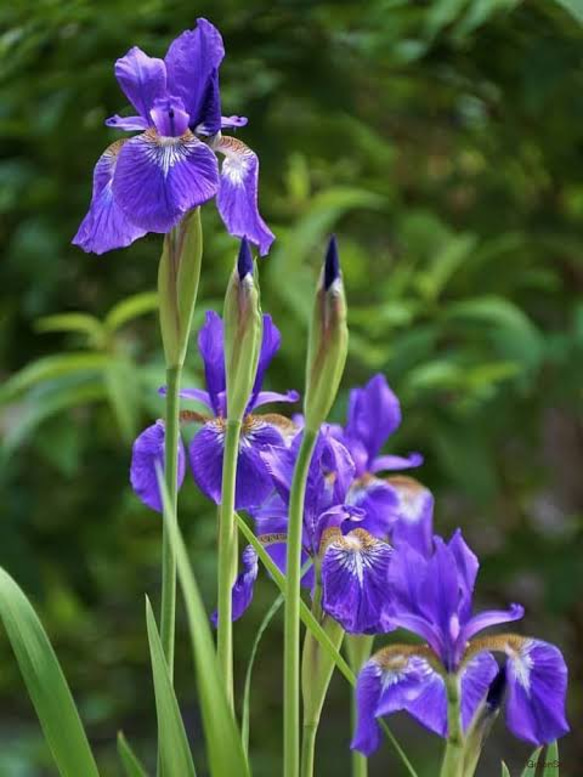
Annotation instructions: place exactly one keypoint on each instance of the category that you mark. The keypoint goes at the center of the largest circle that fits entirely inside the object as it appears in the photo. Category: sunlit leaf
(49, 368)
(45, 682)
(530, 768)
(81, 323)
(131, 308)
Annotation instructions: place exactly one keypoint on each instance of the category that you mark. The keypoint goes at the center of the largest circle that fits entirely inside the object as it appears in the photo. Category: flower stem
(453, 759)
(310, 731)
(291, 690)
(359, 647)
(227, 555)
(168, 607)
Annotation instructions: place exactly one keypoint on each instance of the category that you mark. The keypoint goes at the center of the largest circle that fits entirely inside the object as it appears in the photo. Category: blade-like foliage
(175, 755)
(224, 747)
(46, 683)
(552, 760)
(505, 771)
(129, 760)
(530, 768)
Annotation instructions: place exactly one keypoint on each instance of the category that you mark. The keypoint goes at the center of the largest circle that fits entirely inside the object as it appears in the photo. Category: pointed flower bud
(243, 332)
(328, 342)
(178, 277)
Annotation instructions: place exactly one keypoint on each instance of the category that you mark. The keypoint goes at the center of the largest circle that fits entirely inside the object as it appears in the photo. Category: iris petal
(157, 180)
(147, 455)
(237, 198)
(242, 592)
(354, 580)
(192, 62)
(211, 344)
(374, 413)
(106, 227)
(476, 677)
(142, 79)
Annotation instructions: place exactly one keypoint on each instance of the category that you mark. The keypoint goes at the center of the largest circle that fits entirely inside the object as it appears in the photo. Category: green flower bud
(178, 277)
(328, 342)
(243, 324)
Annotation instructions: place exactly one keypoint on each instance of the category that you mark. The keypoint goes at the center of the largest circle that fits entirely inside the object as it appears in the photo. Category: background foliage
(442, 142)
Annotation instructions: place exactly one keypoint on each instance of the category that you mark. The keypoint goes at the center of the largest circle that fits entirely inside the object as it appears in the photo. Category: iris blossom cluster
(150, 181)
(431, 596)
(260, 433)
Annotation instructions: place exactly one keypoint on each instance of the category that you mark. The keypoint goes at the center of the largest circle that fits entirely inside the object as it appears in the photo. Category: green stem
(168, 607)
(453, 759)
(291, 689)
(227, 556)
(310, 730)
(359, 648)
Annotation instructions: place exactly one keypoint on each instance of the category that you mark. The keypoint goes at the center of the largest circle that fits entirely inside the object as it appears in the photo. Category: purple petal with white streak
(147, 455)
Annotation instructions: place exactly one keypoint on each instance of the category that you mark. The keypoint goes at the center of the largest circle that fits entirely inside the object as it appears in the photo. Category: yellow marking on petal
(192, 417)
(395, 658)
(272, 539)
(511, 644)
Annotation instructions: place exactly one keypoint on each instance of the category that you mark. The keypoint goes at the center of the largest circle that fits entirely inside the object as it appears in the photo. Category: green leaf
(45, 682)
(131, 765)
(81, 323)
(433, 281)
(505, 772)
(130, 308)
(51, 367)
(530, 768)
(574, 7)
(225, 749)
(120, 382)
(552, 764)
(247, 691)
(175, 755)
(317, 630)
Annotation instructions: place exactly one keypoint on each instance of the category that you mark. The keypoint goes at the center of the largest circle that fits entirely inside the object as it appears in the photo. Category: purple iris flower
(399, 506)
(260, 433)
(350, 563)
(147, 183)
(432, 597)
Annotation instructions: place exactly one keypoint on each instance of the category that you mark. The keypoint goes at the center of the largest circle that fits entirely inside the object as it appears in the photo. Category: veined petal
(158, 179)
(476, 677)
(147, 454)
(242, 593)
(169, 116)
(467, 567)
(373, 414)
(398, 678)
(192, 62)
(378, 500)
(237, 197)
(142, 79)
(267, 397)
(211, 344)
(491, 618)
(106, 227)
(354, 579)
(270, 342)
(254, 483)
(537, 687)
(127, 123)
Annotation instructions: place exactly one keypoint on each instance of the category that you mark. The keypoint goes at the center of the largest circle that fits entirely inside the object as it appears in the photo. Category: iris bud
(178, 277)
(328, 342)
(243, 332)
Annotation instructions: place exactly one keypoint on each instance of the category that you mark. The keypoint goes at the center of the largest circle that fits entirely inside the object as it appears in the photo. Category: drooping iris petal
(267, 397)
(157, 180)
(142, 79)
(232, 122)
(211, 344)
(397, 679)
(373, 414)
(254, 482)
(278, 552)
(127, 123)
(476, 677)
(237, 197)
(412, 518)
(354, 580)
(106, 226)
(242, 592)
(147, 454)
(192, 62)
(389, 462)
(537, 687)
(169, 116)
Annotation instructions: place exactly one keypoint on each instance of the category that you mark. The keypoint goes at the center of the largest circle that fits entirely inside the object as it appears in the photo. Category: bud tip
(331, 264)
(244, 260)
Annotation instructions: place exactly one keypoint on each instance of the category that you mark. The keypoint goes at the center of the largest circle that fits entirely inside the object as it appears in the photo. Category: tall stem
(310, 730)
(291, 686)
(227, 556)
(359, 647)
(168, 607)
(453, 759)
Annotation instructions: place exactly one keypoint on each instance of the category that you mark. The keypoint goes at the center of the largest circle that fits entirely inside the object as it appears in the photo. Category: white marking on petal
(522, 662)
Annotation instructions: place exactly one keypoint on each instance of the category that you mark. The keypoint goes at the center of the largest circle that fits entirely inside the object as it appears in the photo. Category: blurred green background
(442, 141)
